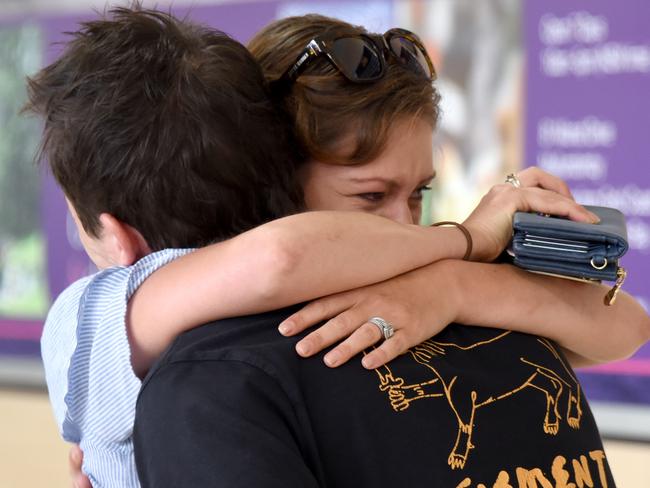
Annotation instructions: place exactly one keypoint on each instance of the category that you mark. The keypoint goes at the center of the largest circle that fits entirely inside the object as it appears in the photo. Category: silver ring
(384, 327)
(513, 180)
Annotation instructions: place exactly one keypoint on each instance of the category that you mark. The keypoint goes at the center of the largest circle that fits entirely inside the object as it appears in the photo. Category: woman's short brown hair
(326, 107)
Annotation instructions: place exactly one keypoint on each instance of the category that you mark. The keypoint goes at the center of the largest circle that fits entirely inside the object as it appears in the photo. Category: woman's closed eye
(373, 197)
(378, 196)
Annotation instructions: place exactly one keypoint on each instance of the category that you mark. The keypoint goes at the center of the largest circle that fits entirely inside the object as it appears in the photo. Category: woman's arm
(287, 261)
(305, 256)
(421, 303)
(569, 312)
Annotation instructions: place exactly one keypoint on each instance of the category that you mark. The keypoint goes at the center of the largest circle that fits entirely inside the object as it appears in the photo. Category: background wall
(560, 83)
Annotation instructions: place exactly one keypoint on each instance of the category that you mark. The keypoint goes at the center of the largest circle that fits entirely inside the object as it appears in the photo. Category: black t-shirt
(232, 405)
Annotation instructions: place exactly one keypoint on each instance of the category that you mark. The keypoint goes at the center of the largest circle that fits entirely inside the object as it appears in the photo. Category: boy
(146, 131)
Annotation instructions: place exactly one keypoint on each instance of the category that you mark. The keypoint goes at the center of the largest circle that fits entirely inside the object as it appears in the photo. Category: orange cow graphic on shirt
(547, 373)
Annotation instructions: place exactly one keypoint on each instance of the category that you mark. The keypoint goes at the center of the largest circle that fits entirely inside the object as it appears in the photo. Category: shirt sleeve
(223, 423)
(101, 387)
(58, 342)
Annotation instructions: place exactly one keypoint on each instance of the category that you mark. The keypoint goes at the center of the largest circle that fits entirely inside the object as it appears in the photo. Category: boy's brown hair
(329, 110)
(167, 126)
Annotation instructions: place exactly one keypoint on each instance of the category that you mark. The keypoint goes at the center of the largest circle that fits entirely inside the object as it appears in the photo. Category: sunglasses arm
(312, 50)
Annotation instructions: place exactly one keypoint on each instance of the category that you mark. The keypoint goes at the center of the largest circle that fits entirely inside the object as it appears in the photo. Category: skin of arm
(314, 254)
(570, 313)
(284, 262)
(422, 302)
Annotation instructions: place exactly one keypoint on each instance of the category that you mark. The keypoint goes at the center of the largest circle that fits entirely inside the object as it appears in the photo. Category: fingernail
(302, 348)
(332, 359)
(368, 363)
(595, 218)
(285, 328)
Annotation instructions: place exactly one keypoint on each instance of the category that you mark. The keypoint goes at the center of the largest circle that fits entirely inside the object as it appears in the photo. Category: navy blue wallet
(565, 248)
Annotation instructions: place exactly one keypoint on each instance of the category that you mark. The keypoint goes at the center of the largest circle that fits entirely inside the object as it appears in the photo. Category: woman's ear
(125, 245)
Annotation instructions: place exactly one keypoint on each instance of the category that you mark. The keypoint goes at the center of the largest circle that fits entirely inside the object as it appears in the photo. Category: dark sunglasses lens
(410, 55)
(356, 58)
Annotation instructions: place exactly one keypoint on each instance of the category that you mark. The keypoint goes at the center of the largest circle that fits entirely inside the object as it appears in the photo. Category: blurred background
(562, 84)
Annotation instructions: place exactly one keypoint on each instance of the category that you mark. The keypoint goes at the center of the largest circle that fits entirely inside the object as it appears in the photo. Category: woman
(343, 159)
(350, 170)
(369, 145)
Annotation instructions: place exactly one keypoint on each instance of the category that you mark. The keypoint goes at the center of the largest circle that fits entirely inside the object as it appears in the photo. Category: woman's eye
(417, 194)
(372, 196)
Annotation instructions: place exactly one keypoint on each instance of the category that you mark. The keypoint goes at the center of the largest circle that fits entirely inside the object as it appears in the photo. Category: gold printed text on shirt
(585, 474)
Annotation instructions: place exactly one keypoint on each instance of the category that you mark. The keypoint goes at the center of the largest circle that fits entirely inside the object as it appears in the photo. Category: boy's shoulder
(91, 309)
(69, 300)
(106, 288)
(109, 280)
(67, 303)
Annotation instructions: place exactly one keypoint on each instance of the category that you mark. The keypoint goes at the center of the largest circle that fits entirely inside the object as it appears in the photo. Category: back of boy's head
(167, 126)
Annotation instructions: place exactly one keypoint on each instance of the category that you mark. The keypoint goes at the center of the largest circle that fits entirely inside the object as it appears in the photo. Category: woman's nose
(399, 212)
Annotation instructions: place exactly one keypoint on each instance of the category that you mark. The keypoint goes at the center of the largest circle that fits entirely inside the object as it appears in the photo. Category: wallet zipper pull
(610, 298)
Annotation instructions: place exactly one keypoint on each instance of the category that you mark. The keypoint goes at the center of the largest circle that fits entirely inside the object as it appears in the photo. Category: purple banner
(587, 119)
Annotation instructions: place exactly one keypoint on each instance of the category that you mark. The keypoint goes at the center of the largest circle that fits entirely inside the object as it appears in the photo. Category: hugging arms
(291, 261)
(209, 182)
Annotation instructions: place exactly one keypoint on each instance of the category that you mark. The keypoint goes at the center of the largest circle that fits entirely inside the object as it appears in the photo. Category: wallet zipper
(610, 298)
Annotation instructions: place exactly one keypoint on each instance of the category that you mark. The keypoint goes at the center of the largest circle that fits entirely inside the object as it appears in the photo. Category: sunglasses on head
(362, 58)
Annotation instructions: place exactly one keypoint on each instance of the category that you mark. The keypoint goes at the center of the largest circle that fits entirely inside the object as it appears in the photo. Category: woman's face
(390, 186)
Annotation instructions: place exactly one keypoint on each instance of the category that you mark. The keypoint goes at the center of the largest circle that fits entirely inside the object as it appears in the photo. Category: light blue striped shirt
(87, 358)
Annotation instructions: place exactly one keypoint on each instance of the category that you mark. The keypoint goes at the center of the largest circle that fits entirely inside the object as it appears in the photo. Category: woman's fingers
(386, 351)
(313, 313)
(75, 460)
(491, 222)
(548, 202)
(327, 334)
(535, 177)
(81, 481)
(362, 338)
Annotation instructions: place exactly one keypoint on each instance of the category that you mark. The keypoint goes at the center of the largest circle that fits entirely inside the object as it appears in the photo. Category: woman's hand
(75, 459)
(491, 222)
(407, 302)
